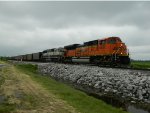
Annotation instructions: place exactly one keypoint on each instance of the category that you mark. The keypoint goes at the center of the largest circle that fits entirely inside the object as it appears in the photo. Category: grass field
(141, 64)
(79, 100)
(20, 94)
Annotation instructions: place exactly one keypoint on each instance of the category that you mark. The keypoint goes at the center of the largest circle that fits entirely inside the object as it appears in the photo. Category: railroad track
(126, 68)
(115, 67)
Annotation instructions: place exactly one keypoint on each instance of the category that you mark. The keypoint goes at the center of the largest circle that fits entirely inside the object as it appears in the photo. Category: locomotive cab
(117, 46)
(118, 50)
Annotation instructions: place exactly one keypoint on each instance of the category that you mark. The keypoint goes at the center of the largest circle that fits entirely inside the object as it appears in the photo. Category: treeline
(140, 60)
(4, 58)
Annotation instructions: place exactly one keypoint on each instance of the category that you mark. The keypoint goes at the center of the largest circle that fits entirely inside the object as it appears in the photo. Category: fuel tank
(81, 60)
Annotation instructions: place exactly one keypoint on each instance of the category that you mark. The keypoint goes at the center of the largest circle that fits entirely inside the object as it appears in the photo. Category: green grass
(79, 100)
(141, 64)
(6, 107)
(2, 80)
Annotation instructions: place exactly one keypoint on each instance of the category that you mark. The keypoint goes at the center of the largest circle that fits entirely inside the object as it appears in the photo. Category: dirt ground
(20, 94)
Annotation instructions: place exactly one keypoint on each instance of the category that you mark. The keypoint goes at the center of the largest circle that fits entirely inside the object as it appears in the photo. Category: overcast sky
(27, 27)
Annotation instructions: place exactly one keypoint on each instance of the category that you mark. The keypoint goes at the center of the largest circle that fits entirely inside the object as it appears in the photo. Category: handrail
(116, 51)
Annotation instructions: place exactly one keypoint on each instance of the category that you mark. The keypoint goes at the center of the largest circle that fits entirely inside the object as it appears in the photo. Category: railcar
(29, 57)
(37, 56)
(24, 57)
(19, 57)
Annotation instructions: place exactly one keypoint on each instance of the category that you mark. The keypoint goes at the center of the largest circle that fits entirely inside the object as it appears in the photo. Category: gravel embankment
(128, 84)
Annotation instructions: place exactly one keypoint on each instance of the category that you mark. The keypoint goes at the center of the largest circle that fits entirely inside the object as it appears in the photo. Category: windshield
(112, 41)
(118, 40)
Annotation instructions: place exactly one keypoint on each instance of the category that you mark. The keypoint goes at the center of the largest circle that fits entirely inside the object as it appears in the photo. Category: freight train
(107, 51)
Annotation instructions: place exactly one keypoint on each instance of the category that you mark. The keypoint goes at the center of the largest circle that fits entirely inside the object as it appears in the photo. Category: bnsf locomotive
(108, 51)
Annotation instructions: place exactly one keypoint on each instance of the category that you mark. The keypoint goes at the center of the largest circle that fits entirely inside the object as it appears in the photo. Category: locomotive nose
(123, 49)
(121, 45)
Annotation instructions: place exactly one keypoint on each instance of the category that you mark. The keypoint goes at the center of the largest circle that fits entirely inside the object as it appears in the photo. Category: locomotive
(107, 51)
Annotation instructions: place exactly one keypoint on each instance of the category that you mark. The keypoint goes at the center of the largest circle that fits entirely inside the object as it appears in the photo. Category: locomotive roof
(72, 46)
(93, 42)
(109, 38)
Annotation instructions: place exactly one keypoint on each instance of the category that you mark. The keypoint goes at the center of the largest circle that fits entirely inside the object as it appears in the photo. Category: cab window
(102, 42)
(112, 41)
(118, 40)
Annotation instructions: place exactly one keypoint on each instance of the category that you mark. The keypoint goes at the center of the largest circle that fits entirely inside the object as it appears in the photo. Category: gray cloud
(34, 26)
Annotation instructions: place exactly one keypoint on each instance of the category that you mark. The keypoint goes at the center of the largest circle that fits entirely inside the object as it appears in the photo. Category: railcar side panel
(29, 57)
(37, 56)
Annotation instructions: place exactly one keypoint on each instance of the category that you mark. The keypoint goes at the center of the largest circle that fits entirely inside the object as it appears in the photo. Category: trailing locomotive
(106, 51)
(55, 54)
